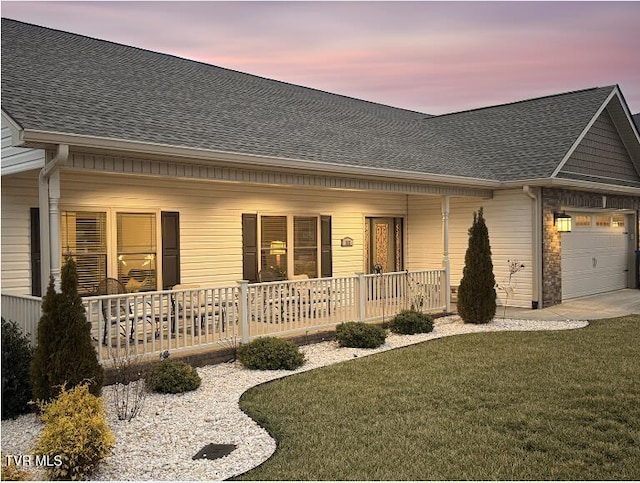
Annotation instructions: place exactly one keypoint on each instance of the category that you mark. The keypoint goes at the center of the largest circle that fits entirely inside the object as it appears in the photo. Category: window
(273, 235)
(583, 220)
(603, 220)
(280, 247)
(137, 251)
(618, 221)
(305, 246)
(84, 237)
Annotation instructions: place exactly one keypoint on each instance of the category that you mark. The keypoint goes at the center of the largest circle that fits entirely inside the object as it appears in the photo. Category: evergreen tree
(65, 352)
(477, 293)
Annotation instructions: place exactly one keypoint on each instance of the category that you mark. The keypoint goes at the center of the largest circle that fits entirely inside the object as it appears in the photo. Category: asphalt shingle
(63, 82)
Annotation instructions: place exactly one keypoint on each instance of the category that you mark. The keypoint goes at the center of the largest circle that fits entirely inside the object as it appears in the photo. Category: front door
(383, 244)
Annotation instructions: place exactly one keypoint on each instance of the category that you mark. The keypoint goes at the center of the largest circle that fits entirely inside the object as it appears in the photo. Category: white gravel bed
(159, 444)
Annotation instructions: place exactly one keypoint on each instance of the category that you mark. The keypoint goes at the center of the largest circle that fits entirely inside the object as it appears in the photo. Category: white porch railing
(149, 323)
(25, 310)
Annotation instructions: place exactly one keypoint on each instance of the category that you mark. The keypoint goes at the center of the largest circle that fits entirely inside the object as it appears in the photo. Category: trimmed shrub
(360, 335)
(75, 435)
(65, 355)
(172, 377)
(477, 292)
(16, 359)
(270, 353)
(410, 322)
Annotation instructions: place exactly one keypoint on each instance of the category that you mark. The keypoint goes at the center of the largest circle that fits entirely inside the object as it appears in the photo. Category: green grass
(499, 406)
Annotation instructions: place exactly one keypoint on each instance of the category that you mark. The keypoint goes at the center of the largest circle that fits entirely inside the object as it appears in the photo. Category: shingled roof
(67, 83)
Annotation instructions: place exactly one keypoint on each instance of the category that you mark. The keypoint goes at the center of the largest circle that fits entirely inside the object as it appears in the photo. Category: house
(157, 170)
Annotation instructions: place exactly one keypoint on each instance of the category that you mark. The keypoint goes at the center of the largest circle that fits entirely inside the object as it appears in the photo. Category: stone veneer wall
(553, 199)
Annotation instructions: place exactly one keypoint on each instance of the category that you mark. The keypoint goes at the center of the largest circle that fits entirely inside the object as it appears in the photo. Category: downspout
(49, 198)
(536, 247)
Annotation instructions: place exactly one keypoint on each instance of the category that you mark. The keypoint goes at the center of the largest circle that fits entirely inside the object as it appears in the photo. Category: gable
(602, 155)
(15, 159)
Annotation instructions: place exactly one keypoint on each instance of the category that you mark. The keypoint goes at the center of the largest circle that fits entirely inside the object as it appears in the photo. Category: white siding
(210, 215)
(210, 223)
(508, 217)
(19, 194)
(15, 160)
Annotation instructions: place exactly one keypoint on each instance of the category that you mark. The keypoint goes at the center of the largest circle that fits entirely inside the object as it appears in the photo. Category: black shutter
(36, 264)
(250, 247)
(326, 262)
(170, 249)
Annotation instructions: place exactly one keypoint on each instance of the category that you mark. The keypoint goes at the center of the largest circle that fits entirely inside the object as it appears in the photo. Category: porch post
(361, 301)
(43, 206)
(49, 198)
(446, 265)
(54, 227)
(243, 310)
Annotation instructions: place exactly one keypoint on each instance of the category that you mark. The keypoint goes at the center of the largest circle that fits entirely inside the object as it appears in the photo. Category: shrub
(411, 322)
(270, 353)
(65, 354)
(129, 391)
(75, 434)
(12, 472)
(172, 377)
(16, 359)
(477, 293)
(360, 335)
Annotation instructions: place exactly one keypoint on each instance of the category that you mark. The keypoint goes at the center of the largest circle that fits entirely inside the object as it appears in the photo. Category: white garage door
(594, 255)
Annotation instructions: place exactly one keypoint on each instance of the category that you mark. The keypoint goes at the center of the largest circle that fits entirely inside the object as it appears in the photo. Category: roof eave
(41, 138)
(574, 184)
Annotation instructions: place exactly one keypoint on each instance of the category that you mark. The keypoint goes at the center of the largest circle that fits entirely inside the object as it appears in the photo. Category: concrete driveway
(602, 306)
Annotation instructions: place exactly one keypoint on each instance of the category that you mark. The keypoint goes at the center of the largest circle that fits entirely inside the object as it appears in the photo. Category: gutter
(39, 138)
(48, 199)
(571, 183)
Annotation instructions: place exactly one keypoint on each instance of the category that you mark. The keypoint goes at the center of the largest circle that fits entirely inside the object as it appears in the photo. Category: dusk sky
(434, 57)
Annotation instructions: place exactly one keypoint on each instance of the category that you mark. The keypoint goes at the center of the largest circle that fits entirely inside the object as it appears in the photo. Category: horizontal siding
(15, 159)
(210, 220)
(19, 194)
(508, 217)
(210, 215)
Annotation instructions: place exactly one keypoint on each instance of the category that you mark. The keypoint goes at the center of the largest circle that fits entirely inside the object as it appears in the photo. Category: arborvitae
(477, 293)
(65, 352)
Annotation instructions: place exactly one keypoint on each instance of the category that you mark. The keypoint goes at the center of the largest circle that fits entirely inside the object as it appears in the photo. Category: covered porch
(184, 320)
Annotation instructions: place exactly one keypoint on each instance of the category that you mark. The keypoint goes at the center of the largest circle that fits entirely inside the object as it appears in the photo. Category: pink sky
(434, 57)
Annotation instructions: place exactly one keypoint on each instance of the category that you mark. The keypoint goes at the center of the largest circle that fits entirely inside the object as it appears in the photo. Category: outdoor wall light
(562, 221)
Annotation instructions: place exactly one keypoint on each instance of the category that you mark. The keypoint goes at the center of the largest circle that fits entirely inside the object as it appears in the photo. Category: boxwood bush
(16, 360)
(172, 377)
(411, 322)
(360, 335)
(270, 353)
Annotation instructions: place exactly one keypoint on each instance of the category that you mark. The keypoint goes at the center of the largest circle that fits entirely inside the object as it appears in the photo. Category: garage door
(594, 255)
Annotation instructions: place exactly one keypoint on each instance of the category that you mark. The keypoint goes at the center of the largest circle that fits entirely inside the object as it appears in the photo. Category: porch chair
(113, 313)
(311, 299)
(193, 305)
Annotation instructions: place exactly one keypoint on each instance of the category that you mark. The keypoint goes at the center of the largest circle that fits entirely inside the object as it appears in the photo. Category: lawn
(491, 406)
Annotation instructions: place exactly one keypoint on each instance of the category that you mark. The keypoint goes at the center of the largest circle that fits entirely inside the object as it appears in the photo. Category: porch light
(562, 221)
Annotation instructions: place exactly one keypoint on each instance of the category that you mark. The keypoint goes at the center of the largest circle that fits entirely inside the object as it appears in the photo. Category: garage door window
(617, 221)
(603, 220)
(583, 220)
